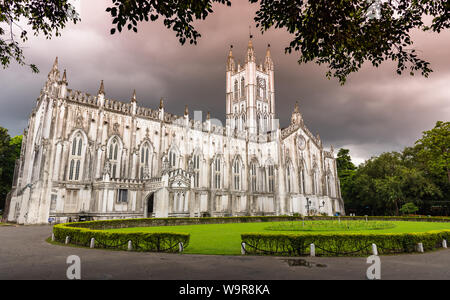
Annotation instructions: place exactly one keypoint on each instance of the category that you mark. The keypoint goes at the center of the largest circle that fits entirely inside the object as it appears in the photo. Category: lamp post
(308, 204)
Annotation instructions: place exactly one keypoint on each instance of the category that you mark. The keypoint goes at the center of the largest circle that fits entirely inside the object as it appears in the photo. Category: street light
(308, 204)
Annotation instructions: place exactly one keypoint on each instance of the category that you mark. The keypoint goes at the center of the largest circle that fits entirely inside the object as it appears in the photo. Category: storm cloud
(375, 111)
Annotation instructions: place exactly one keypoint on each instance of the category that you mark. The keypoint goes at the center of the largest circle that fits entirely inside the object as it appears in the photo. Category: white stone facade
(96, 158)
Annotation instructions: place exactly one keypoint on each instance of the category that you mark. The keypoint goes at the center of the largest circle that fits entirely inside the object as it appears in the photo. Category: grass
(328, 225)
(226, 238)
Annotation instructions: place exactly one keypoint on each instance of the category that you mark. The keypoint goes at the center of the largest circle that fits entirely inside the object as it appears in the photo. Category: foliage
(417, 175)
(349, 35)
(47, 17)
(409, 208)
(9, 152)
(340, 244)
(141, 241)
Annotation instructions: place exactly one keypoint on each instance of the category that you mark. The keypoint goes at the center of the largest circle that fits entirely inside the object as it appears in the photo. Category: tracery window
(114, 155)
(237, 174)
(217, 172)
(76, 157)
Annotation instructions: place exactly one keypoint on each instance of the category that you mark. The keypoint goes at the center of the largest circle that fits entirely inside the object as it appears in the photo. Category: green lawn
(226, 238)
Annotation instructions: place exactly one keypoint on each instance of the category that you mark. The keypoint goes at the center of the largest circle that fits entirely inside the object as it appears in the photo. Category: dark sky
(376, 110)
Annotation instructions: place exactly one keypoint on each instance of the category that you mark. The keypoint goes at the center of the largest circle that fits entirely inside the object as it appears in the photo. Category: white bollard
(92, 245)
(130, 246)
(53, 237)
(67, 239)
(420, 247)
(374, 249)
(312, 251)
(180, 247)
(243, 248)
(444, 243)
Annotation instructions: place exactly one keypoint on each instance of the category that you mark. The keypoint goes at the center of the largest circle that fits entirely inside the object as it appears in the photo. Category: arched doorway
(150, 204)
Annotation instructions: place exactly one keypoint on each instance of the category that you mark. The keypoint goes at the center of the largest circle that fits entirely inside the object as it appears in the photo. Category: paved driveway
(24, 254)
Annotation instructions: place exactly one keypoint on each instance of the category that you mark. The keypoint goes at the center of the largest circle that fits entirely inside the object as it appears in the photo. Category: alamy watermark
(374, 270)
(74, 268)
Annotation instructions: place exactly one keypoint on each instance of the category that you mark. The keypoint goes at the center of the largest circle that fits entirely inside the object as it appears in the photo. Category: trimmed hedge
(341, 244)
(141, 241)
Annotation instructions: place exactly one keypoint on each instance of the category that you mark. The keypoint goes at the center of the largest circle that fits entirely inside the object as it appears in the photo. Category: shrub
(141, 241)
(340, 244)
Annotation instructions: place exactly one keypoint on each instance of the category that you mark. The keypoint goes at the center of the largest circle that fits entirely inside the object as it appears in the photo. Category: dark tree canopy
(341, 34)
(47, 17)
(416, 177)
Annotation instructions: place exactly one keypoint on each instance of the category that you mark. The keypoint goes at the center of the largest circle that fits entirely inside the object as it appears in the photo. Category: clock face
(301, 142)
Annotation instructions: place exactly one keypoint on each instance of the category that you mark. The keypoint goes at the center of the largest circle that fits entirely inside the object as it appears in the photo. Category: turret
(101, 94)
(133, 103)
(230, 61)
(250, 57)
(54, 75)
(268, 63)
(63, 86)
(296, 115)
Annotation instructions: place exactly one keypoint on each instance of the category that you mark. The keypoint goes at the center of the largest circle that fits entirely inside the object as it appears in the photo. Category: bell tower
(250, 93)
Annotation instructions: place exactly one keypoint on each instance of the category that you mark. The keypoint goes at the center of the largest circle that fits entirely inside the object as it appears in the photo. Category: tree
(433, 150)
(48, 17)
(346, 171)
(341, 34)
(409, 208)
(9, 152)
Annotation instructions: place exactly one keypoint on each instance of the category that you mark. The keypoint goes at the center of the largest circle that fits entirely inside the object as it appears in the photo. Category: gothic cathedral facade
(90, 157)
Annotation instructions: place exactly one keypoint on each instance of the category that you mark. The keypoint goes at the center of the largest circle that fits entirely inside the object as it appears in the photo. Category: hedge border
(341, 244)
(140, 241)
(80, 233)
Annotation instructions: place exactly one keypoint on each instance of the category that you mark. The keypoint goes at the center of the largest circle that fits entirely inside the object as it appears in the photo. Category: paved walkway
(24, 254)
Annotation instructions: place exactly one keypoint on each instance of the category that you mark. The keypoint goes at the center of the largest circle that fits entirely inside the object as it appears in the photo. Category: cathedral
(88, 157)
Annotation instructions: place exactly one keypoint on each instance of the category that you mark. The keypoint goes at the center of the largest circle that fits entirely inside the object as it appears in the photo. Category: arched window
(253, 175)
(302, 180)
(76, 157)
(242, 87)
(289, 174)
(237, 173)
(216, 172)
(196, 162)
(315, 181)
(114, 156)
(145, 161)
(271, 177)
(236, 89)
(172, 159)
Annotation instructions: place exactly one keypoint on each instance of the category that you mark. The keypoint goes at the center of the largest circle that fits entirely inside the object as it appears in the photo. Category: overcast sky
(376, 111)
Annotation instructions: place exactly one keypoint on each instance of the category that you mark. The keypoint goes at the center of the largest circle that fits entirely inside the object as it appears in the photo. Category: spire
(55, 64)
(186, 110)
(161, 103)
(208, 116)
(64, 78)
(133, 99)
(250, 50)
(296, 110)
(268, 63)
(101, 91)
(296, 115)
(230, 60)
(54, 72)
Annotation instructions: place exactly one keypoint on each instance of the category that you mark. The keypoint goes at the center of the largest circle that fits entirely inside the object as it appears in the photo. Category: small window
(123, 196)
